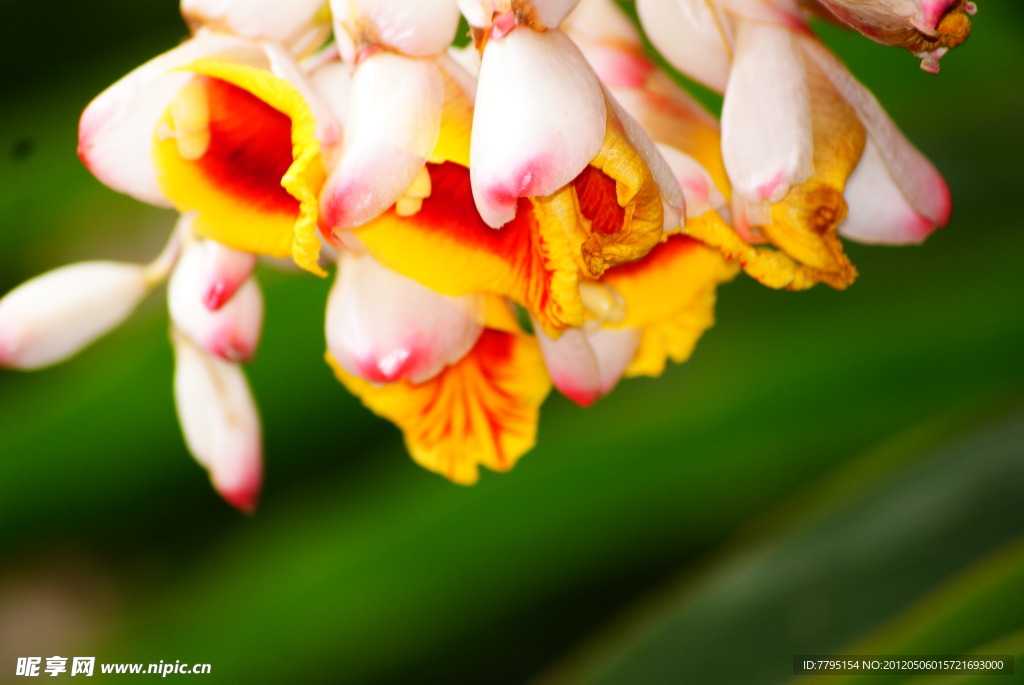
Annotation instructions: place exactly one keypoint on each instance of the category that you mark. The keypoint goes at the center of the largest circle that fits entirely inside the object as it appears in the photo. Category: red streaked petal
(482, 411)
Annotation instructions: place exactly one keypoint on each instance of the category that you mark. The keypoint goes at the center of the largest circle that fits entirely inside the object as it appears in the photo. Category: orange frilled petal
(670, 297)
(446, 246)
(482, 411)
(766, 265)
(238, 147)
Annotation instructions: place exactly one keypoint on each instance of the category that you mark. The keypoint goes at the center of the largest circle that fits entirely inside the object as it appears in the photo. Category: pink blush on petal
(584, 397)
(245, 495)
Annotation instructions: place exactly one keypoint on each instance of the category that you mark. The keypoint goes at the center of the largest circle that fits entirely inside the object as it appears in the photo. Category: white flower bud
(220, 422)
(53, 316)
(585, 365)
(231, 332)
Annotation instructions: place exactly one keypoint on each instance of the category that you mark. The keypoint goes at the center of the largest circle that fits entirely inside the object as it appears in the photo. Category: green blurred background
(832, 472)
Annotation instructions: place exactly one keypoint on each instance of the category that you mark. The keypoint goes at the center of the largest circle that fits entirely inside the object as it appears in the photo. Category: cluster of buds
(543, 207)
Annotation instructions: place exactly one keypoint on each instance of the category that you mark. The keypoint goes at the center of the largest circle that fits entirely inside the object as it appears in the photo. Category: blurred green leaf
(841, 572)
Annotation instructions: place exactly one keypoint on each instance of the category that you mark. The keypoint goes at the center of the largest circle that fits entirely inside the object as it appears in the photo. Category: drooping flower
(641, 314)
(810, 156)
(928, 28)
(543, 123)
(434, 235)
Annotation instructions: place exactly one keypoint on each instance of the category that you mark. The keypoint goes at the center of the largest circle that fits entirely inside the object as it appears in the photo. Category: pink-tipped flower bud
(224, 272)
(53, 316)
(928, 28)
(585, 365)
(382, 326)
(220, 422)
(231, 332)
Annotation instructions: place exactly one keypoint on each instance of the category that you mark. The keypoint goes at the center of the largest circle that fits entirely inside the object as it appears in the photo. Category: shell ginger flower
(557, 213)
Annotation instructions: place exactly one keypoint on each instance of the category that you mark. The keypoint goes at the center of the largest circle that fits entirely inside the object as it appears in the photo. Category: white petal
(690, 36)
(699, 188)
(382, 326)
(477, 12)
(602, 21)
(468, 58)
(586, 365)
(614, 349)
(115, 134)
(766, 117)
(572, 365)
(918, 181)
(878, 212)
(333, 83)
(418, 29)
(219, 421)
(454, 66)
(53, 316)
(392, 125)
(294, 23)
(610, 43)
(780, 12)
(550, 13)
(540, 119)
(231, 332)
(672, 198)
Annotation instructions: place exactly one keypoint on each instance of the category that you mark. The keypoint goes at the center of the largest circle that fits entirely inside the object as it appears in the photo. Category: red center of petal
(598, 201)
(450, 208)
(250, 148)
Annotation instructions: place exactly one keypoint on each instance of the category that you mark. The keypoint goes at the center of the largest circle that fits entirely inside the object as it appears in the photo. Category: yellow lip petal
(670, 297)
